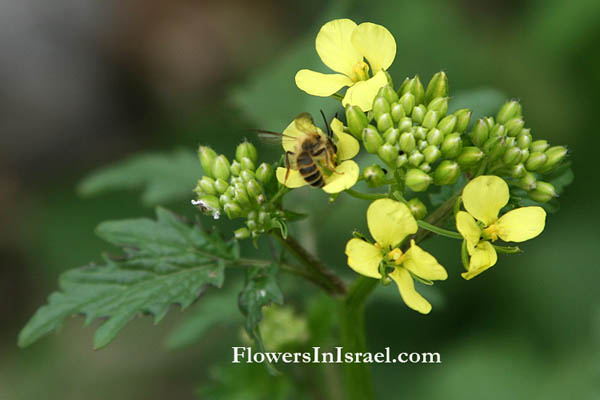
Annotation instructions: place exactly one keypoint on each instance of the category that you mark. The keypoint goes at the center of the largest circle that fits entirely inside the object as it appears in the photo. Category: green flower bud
(498, 131)
(416, 158)
(401, 160)
(380, 106)
(421, 144)
(208, 204)
(417, 180)
(408, 102)
(490, 122)
(207, 185)
(437, 87)
(446, 173)
(512, 156)
(447, 124)
(463, 118)
(374, 176)
(432, 153)
(452, 145)
(236, 168)
(417, 208)
(524, 139)
(496, 149)
(527, 181)
(418, 113)
(480, 133)
(241, 233)
(510, 141)
(524, 155)
(254, 188)
(404, 124)
(391, 136)
(388, 153)
(388, 93)
(407, 142)
(517, 171)
(224, 199)
(491, 144)
(371, 139)
(430, 119)
(543, 192)
(252, 225)
(435, 137)
(385, 122)
(221, 168)
(514, 126)
(439, 105)
(554, 155)
(252, 215)
(539, 146)
(420, 132)
(469, 156)
(425, 167)
(232, 209)
(356, 120)
(536, 161)
(264, 173)
(263, 217)
(397, 112)
(509, 110)
(246, 149)
(221, 186)
(414, 87)
(207, 159)
(247, 164)
(241, 196)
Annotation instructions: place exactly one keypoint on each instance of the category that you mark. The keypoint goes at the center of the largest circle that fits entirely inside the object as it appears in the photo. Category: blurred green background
(89, 83)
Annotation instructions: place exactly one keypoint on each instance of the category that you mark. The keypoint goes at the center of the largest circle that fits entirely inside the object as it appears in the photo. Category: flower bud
(401, 160)
(247, 164)
(356, 120)
(420, 132)
(447, 124)
(254, 188)
(397, 112)
(490, 144)
(543, 192)
(535, 161)
(498, 131)
(437, 87)
(452, 145)
(439, 105)
(418, 113)
(417, 180)
(510, 141)
(384, 122)
(512, 156)
(404, 124)
(469, 156)
(517, 171)
(524, 139)
(425, 167)
(446, 173)
(380, 106)
(416, 158)
(554, 156)
(241, 196)
(480, 132)
(417, 208)
(408, 102)
(421, 144)
(430, 119)
(232, 209)
(236, 168)
(527, 181)
(264, 173)
(514, 126)
(207, 159)
(463, 118)
(539, 146)
(388, 93)
(524, 155)
(221, 168)
(246, 149)
(509, 110)
(252, 225)
(435, 137)
(388, 153)
(407, 142)
(207, 185)
(221, 186)
(414, 87)
(371, 139)
(224, 199)
(374, 176)
(432, 153)
(263, 217)
(241, 233)
(391, 136)
(208, 204)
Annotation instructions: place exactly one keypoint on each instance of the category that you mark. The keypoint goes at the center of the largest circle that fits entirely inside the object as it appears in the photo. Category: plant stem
(439, 231)
(366, 196)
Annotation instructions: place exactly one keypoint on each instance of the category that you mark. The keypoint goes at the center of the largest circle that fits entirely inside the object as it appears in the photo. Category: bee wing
(271, 137)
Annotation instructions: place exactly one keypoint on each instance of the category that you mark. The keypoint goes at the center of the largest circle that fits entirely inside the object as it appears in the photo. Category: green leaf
(166, 262)
(163, 177)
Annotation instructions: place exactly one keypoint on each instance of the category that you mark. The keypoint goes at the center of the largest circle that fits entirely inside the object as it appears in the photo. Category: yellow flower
(345, 174)
(390, 222)
(343, 46)
(483, 199)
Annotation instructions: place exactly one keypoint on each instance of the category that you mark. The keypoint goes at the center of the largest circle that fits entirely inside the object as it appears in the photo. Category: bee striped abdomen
(309, 171)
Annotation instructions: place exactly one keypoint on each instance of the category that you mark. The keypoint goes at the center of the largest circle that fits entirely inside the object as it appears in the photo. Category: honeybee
(314, 151)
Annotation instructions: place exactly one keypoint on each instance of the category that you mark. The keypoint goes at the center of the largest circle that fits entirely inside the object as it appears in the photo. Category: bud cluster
(236, 188)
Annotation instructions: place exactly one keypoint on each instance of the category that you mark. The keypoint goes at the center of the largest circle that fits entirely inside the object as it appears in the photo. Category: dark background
(87, 83)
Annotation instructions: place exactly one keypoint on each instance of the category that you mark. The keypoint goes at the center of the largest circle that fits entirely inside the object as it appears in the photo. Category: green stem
(282, 190)
(439, 231)
(337, 96)
(507, 249)
(366, 196)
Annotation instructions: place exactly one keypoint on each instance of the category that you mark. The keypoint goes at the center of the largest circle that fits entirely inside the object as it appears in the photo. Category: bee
(314, 153)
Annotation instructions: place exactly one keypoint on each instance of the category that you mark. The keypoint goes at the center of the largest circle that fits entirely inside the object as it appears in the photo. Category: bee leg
(330, 163)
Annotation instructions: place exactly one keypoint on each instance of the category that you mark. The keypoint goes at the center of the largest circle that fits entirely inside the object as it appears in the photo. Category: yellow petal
(290, 136)
(376, 44)
(423, 264)
(347, 145)
(364, 258)
(390, 221)
(484, 196)
(406, 287)
(468, 228)
(521, 224)
(483, 256)
(363, 93)
(344, 177)
(335, 46)
(294, 179)
(318, 84)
